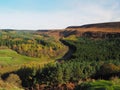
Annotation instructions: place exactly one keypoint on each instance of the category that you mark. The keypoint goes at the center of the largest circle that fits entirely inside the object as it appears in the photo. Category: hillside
(54, 33)
(71, 58)
(99, 30)
(99, 25)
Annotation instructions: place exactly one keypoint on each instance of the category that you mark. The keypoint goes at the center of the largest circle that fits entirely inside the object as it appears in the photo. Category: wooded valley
(34, 60)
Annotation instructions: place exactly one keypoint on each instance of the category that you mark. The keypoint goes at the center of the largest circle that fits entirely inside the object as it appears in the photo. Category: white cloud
(80, 13)
(36, 20)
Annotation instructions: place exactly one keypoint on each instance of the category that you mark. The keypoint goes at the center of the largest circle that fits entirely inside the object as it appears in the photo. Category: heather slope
(99, 30)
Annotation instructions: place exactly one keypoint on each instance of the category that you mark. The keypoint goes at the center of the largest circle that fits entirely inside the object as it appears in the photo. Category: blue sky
(50, 14)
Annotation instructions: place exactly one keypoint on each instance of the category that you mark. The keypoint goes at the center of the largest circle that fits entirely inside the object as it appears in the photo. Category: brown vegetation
(100, 30)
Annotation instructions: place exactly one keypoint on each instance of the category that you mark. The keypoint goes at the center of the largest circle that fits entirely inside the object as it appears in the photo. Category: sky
(56, 14)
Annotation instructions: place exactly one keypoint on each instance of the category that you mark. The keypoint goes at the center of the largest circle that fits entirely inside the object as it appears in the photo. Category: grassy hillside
(8, 57)
(99, 85)
(11, 60)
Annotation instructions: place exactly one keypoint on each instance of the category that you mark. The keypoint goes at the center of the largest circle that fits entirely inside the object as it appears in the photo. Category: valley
(75, 58)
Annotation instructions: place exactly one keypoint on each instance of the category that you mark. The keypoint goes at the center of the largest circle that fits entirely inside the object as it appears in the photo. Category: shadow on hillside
(71, 50)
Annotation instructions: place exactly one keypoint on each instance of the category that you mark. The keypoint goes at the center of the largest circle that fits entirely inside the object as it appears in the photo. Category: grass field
(10, 57)
(11, 60)
(100, 85)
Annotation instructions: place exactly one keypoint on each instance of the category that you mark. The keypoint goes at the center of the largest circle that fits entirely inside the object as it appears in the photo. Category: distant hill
(97, 30)
(54, 33)
(99, 25)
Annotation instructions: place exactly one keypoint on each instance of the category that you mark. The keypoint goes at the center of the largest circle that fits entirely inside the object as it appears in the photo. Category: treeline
(56, 74)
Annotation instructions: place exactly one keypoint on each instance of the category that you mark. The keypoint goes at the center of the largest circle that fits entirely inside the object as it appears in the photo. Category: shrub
(14, 79)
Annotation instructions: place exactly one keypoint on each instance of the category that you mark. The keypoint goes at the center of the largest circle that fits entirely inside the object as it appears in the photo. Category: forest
(94, 64)
(30, 43)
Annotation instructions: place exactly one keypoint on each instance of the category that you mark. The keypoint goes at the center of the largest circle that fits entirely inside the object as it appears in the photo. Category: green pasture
(99, 85)
(11, 60)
